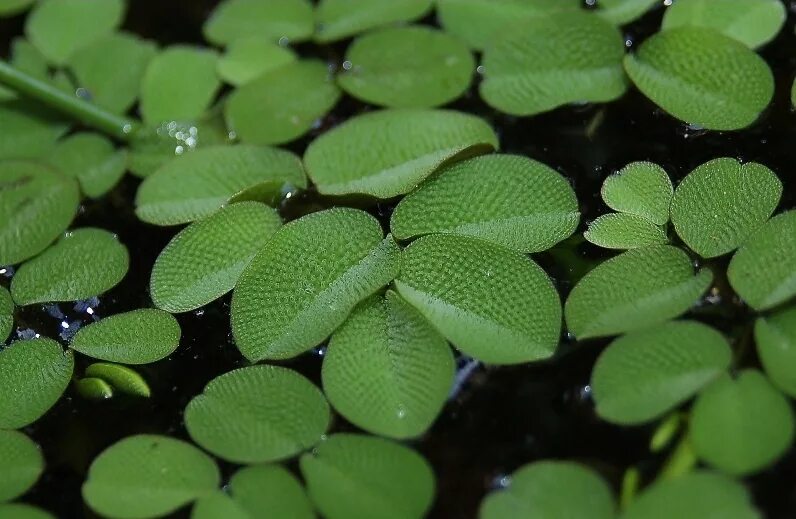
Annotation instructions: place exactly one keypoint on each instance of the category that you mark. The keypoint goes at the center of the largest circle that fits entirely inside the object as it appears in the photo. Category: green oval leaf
(204, 260)
(752, 22)
(60, 27)
(646, 373)
(624, 231)
(389, 152)
(640, 189)
(196, 185)
(307, 279)
(92, 160)
(407, 67)
(96, 69)
(741, 425)
(21, 464)
(248, 57)
(492, 303)
(23, 511)
(551, 489)
(387, 370)
(620, 12)
(258, 414)
(775, 336)
(148, 476)
(506, 199)
(272, 488)
(702, 77)
(721, 203)
(283, 104)
(120, 377)
(6, 314)
(763, 271)
(273, 19)
(551, 61)
(166, 95)
(136, 337)
(634, 290)
(83, 263)
(696, 495)
(33, 376)
(36, 206)
(351, 476)
(339, 19)
(28, 129)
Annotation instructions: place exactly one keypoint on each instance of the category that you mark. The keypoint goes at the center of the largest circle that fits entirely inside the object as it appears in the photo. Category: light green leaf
(551, 61)
(251, 56)
(148, 476)
(775, 336)
(204, 261)
(60, 27)
(480, 22)
(407, 67)
(94, 388)
(634, 290)
(741, 425)
(36, 206)
(350, 476)
(96, 68)
(387, 370)
(83, 263)
(702, 77)
(23, 511)
(272, 488)
(10, 8)
(282, 104)
(648, 372)
(506, 199)
(258, 414)
(120, 377)
(339, 19)
(549, 490)
(307, 279)
(624, 231)
(197, 185)
(137, 337)
(6, 314)
(21, 464)
(389, 152)
(218, 505)
(179, 84)
(92, 160)
(752, 22)
(721, 203)
(696, 495)
(620, 12)
(273, 19)
(492, 303)
(641, 189)
(763, 271)
(28, 129)
(33, 376)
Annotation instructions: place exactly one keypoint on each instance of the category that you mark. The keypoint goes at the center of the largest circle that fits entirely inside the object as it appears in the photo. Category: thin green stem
(89, 114)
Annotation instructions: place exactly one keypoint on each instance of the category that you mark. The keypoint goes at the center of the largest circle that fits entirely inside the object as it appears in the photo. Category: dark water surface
(502, 417)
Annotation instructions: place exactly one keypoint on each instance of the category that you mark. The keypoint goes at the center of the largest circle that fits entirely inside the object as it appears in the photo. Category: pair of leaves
(103, 379)
(21, 464)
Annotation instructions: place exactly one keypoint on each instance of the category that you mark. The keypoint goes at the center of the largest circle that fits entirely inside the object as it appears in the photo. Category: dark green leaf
(21, 464)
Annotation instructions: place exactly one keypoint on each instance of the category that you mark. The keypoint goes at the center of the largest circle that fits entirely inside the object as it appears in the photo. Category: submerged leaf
(702, 77)
(634, 290)
(136, 337)
(506, 199)
(37, 204)
(407, 67)
(389, 152)
(624, 231)
(282, 104)
(763, 271)
(551, 489)
(197, 185)
(551, 61)
(258, 414)
(775, 336)
(33, 375)
(120, 377)
(721, 203)
(641, 189)
(21, 464)
(387, 370)
(84, 263)
(6, 314)
(339, 19)
(273, 19)
(350, 476)
(646, 373)
(248, 57)
(492, 303)
(92, 160)
(273, 488)
(148, 476)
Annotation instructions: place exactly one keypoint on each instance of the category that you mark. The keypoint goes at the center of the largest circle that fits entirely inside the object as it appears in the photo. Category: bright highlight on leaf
(21, 464)
(338, 19)
(273, 19)
(641, 189)
(624, 231)
(775, 336)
